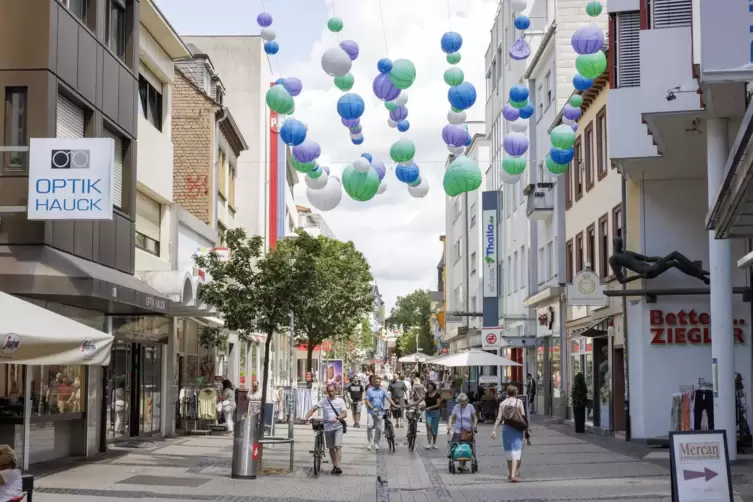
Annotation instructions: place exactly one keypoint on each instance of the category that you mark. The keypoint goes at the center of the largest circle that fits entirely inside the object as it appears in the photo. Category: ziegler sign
(681, 328)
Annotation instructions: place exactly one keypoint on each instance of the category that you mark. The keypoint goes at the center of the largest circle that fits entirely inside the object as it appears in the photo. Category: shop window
(569, 262)
(150, 103)
(604, 246)
(591, 246)
(16, 134)
(578, 170)
(579, 252)
(588, 165)
(116, 27)
(55, 389)
(601, 143)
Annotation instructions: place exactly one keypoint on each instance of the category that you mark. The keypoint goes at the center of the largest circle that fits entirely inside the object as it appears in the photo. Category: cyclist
(375, 399)
(355, 394)
(334, 412)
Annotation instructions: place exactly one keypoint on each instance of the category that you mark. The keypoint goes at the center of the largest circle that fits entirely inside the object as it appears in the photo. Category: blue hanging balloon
(451, 42)
(522, 22)
(519, 93)
(582, 83)
(469, 140)
(367, 156)
(384, 65)
(350, 106)
(527, 111)
(407, 173)
(357, 141)
(403, 125)
(271, 47)
(560, 156)
(293, 132)
(462, 96)
(280, 81)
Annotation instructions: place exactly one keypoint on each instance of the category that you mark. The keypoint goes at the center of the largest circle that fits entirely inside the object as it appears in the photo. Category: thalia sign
(489, 240)
(70, 179)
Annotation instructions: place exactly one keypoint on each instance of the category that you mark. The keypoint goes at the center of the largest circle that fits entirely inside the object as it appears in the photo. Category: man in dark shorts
(398, 390)
(355, 394)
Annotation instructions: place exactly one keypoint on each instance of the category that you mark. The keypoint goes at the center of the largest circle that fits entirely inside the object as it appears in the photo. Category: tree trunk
(309, 361)
(265, 385)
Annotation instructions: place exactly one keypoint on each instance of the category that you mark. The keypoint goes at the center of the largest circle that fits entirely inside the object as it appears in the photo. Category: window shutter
(628, 49)
(70, 120)
(672, 13)
(117, 175)
(148, 212)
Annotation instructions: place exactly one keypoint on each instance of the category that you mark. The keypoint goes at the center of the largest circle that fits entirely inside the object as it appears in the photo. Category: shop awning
(33, 335)
(592, 329)
(49, 274)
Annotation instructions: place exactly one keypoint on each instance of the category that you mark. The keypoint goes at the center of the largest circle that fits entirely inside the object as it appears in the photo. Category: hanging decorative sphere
(451, 42)
(327, 198)
(510, 113)
(456, 118)
(519, 5)
(514, 165)
(463, 175)
(456, 150)
(576, 101)
(419, 191)
(384, 65)
(335, 24)
(293, 132)
(562, 137)
(454, 135)
(350, 122)
(362, 164)
(561, 156)
(350, 106)
(280, 81)
(264, 19)
(454, 76)
(357, 140)
(567, 121)
(280, 100)
(520, 125)
(382, 188)
(399, 113)
(469, 140)
(415, 183)
(268, 34)
(403, 125)
(367, 156)
(407, 173)
(520, 50)
(453, 58)
(518, 104)
(402, 74)
(350, 47)
(303, 167)
(462, 96)
(307, 151)
(271, 47)
(402, 151)
(575, 127)
(519, 93)
(379, 167)
(591, 65)
(391, 123)
(515, 144)
(316, 179)
(293, 85)
(570, 112)
(401, 100)
(390, 105)
(384, 89)
(345, 83)
(593, 8)
(522, 22)
(336, 62)
(554, 167)
(582, 83)
(356, 129)
(527, 111)
(587, 39)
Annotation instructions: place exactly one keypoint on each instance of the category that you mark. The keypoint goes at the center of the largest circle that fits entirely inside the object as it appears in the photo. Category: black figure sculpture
(649, 267)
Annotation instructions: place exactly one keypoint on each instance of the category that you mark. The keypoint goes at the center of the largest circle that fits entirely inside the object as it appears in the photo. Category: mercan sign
(489, 219)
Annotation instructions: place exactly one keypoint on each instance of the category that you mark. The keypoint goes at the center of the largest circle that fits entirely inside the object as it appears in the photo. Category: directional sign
(700, 466)
(706, 473)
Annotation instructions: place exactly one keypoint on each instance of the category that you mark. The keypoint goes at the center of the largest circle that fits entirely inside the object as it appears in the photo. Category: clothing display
(741, 415)
(189, 405)
(208, 404)
(681, 411)
(703, 402)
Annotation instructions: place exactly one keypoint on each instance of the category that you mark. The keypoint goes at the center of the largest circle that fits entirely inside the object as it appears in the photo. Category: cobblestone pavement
(559, 466)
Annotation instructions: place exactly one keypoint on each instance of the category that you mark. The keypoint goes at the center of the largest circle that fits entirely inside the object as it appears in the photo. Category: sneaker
(339, 471)
(434, 447)
(333, 471)
(368, 446)
(376, 446)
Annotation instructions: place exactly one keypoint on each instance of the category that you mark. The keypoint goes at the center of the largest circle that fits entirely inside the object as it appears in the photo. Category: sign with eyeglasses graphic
(71, 179)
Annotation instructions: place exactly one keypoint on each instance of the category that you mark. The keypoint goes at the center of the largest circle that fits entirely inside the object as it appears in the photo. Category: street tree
(412, 312)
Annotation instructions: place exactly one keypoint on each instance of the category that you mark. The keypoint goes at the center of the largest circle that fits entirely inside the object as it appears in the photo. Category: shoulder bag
(342, 420)
(514, 418)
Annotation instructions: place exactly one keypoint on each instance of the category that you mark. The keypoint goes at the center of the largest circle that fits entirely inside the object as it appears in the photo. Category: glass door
(119, 391)
(151, 389)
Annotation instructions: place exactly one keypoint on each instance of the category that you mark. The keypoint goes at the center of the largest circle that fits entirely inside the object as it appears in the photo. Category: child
(10, 475)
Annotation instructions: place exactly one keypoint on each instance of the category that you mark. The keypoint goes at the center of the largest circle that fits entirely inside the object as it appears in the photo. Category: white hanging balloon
(327, 198)
(520, 125)
(268, 34)
(362, 165)
(382, 188)
(419, 191)
(456, 118)
(519, 5)
(402, 99)
(567, 121)
(508, 179)
(336, 62)
(456, 150)
(316, 183)
(391, 123)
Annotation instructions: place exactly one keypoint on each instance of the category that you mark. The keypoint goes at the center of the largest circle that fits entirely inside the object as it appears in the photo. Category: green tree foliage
(367, 339)
(413, 313)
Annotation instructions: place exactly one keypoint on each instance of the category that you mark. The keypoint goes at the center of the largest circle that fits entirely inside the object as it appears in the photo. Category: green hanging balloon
(463, 175)
(562, 137)
(514, 165)
(390, 105)
(402, 151)
(345, 83)
(555, 168)
(576, 101)
(591, 65)
(593, 9)
(453, 58)
(316, 173)
(280, 100)
(456, 110)
(403, 73)
(335, 24)
(454, 76)
(518, 104)
(415, 183)
(302, 167)
(360, 186)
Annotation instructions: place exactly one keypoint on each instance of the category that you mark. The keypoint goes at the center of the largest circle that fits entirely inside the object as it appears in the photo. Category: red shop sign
(681, 328)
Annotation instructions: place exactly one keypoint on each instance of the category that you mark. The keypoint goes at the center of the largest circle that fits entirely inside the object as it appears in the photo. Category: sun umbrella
(474, 357)
(418, 357)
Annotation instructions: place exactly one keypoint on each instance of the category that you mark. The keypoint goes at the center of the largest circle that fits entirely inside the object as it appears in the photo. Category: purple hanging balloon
(515, 144)
(383, 88)
(379, 167)
(588, 39)
(520, 50)
(325, 169)
(574, 125)
(399, 113)
(455, 135)
(350, 122)
(293, 85)
(351, 48)
(264, 19)
(307, 151)
(570, 112)
(510, 113)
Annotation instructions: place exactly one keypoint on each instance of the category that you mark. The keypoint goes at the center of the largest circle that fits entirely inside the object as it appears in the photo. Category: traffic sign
(491, 337)
(699, 465)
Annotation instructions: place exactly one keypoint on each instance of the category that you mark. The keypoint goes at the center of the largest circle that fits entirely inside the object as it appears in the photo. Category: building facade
(312, 223)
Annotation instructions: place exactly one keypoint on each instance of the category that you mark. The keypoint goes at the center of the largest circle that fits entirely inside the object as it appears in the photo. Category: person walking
(355, 394)
(376, 397)
(398, 391)
(513, 416)
(531, 393)
(433, 402)
(334, 412)
(463, 422)
(227, 401)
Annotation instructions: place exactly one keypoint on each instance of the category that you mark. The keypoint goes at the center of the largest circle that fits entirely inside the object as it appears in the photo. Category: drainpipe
(625, 337)
(216, 170)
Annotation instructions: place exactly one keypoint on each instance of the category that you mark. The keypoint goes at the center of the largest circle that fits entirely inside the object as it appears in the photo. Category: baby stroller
(464, 451)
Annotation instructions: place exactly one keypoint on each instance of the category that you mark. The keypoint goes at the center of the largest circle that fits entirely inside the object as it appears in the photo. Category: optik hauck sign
(70, 179)
(489, 240)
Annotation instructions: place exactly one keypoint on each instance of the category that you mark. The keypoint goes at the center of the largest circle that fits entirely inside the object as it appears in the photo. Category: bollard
(246, 452)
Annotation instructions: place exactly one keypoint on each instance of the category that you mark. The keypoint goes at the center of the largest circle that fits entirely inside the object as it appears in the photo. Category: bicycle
(411, 414)
(389, 431)
(318, 451)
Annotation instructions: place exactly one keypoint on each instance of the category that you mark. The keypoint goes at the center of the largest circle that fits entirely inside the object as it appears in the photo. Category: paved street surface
(558, 467)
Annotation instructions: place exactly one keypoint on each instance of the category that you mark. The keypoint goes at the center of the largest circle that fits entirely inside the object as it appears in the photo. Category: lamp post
(292, 373)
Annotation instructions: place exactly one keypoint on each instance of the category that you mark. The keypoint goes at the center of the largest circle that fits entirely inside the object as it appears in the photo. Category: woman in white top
(227, 400)
(10, 475)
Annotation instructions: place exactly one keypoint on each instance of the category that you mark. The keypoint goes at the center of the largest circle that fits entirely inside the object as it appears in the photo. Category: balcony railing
(540, 199)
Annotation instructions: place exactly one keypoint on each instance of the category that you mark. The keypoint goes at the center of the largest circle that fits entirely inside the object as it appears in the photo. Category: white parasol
(474, 357)
(418, 357)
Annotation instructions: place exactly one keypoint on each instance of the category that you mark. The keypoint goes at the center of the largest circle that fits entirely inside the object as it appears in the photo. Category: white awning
(33, 335)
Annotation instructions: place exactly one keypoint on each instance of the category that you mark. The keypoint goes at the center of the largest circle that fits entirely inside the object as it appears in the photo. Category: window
(117, 175)
(540, 99)
(523, 267)
(499, 68)
(579, 252)
(510, 274)
(456, 209)
(489, 76)
(569, 262)
(628, 53)
(458, 251)
(222, 175)
(494, 74)
(542, 266)
(588, 134)
(591, 242)
(578, 170)
(601, 143)
(16, 115)
(473, 304)
(77, 8)
(207, 81)
(672, 13)
(70, 119)
(551, 268)
(569, 185)
(148, 216)
(231, 186)
(459, 300)
(509, 44)
(516, 272)
(150, 103)
(604, 246)
(548, 89)
(617, 221)
(222, 230)
(473, 263)
(116, 27)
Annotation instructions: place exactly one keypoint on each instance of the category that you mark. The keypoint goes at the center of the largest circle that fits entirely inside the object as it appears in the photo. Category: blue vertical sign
(490, 247)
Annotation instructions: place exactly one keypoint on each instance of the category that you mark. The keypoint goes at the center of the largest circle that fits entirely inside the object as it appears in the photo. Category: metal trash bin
(246, 451)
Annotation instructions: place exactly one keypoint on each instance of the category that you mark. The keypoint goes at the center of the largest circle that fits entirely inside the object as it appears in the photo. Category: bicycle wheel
(412, 436)
(318, 454)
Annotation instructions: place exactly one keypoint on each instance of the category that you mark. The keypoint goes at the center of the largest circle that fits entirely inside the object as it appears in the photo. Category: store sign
(489, 217)
(70, 179)
(491, 338)
(726, 54)
(681, 328)
(586, 290)
(699, 466)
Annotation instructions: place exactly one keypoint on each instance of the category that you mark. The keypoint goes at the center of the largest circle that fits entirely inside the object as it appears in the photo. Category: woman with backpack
(512, 414)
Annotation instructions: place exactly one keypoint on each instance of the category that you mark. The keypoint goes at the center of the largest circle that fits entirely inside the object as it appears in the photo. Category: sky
(399, 235)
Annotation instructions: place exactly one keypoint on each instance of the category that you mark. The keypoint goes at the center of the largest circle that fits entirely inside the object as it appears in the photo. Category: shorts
(432, 421)
(397, 412)
(356, 406)
(334, 438)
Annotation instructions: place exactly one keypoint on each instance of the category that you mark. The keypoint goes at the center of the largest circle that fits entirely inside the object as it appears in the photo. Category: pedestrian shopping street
(558, 466)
